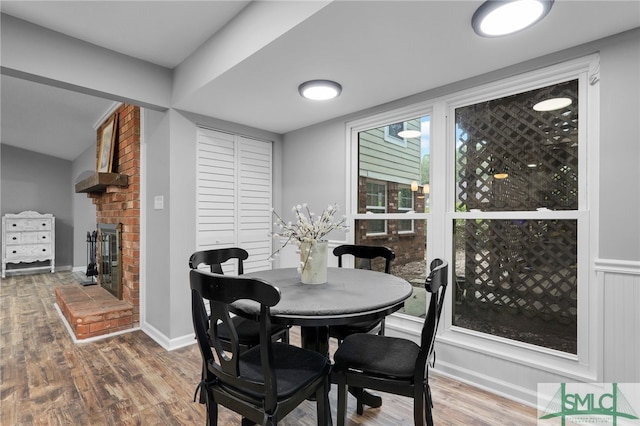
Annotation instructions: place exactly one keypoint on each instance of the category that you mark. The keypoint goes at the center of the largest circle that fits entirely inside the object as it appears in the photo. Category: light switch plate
(158, 202)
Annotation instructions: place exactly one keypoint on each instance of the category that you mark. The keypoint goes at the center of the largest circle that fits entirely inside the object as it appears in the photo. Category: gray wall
(620, 149)
(170, 236)
(314, 157)
(84, 211)
(32, 181)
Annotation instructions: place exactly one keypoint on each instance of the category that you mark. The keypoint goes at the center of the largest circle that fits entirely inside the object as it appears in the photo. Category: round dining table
(349, 296)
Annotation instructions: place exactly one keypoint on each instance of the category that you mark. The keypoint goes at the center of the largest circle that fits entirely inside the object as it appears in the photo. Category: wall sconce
(501, 175)
(420, 191)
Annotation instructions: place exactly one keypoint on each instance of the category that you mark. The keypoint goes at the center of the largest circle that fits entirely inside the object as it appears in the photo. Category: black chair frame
(417, 386)
(251, 382)
(364, 255)
(214, 258)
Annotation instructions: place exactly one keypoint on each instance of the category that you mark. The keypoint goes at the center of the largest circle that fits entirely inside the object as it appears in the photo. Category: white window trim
(587, 364)
(583, 365)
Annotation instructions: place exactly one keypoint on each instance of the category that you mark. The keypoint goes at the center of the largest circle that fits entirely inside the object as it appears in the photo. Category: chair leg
(428, 404)
(342, 399)
(212, 409)
(418, 407)
(323, 409)
(358, 393)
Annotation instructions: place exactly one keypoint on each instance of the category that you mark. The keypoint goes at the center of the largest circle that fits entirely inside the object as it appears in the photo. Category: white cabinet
(28, 237)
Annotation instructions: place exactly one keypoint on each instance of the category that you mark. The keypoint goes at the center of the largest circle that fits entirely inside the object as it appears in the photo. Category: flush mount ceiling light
(409, 134)
(319, 90)
(499, 17)
(552, 104)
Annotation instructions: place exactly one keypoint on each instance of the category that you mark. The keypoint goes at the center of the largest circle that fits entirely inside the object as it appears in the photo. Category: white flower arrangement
(308, 226)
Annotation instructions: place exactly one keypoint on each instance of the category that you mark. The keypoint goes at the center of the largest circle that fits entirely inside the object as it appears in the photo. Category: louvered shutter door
(234, 195)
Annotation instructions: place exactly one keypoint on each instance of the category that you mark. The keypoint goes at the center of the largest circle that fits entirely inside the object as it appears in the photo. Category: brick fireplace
(94, 311)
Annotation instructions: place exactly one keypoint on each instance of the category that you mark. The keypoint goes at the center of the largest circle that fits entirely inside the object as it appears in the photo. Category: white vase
(313, 262)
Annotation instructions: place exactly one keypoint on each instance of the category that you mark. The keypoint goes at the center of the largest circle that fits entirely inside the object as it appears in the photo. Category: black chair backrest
(216, 257)
(220, 291)
(365, 254)
(436, 285)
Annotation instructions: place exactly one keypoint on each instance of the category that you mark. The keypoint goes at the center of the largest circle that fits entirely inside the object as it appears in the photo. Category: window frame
(585, 71)
(585, 365)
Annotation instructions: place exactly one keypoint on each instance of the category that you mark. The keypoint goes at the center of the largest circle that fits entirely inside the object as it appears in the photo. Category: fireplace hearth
(109, 257)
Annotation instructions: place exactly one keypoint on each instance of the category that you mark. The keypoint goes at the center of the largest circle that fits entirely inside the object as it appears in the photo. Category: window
(392, 178)
(391, 133)
(516, 275)
(405, 205)
(376, 203)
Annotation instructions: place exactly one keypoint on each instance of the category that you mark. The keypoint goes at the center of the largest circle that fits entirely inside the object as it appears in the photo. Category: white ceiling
(379, 51)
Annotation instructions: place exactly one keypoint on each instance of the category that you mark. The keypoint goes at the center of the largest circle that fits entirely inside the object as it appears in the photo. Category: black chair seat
(341, 332)
(248, 331)
(295, 369)
(378, 355)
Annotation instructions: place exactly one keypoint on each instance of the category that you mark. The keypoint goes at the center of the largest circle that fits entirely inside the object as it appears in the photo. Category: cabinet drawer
(35, 252)
(28, 224)
(14, 238)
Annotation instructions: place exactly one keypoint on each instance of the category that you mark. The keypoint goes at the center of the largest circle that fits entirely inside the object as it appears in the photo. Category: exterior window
(388, 165)
(391, 134)
(516, 275)
(405, 204)
(376, 203)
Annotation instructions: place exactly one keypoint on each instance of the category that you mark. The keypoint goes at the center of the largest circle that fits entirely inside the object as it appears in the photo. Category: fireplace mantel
(100, 181)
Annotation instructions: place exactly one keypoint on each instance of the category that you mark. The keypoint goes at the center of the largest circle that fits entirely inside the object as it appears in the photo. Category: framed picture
(107, 143)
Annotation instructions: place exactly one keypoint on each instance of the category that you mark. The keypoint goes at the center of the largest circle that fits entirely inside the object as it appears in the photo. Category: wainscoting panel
(621, 328)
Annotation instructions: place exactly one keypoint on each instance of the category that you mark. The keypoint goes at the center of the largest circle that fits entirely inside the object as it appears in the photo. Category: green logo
(589, 404)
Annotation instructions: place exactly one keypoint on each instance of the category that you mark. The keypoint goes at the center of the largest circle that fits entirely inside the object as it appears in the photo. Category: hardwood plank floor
(129, 379)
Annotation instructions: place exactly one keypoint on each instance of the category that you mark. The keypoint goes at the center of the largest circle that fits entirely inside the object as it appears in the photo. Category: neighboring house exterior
(389, 164)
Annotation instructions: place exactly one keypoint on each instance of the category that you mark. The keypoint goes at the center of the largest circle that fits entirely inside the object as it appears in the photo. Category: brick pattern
(408, 247)
(119, 205)
(93, 311)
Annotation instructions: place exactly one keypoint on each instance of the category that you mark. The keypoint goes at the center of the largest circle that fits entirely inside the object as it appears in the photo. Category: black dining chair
(262, 384)
(248, 330)
(363, 255)
(391, 364)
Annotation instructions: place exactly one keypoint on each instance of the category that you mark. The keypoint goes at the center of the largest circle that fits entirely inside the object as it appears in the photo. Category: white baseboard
(164, 341)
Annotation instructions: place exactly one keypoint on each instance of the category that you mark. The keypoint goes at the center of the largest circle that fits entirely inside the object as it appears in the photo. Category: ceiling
(379, 51)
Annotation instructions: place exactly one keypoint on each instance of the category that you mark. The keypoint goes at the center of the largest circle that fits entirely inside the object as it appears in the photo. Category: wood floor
(131, 380)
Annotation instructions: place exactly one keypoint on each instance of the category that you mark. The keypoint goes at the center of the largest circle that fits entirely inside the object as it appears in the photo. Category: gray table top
(350, 295)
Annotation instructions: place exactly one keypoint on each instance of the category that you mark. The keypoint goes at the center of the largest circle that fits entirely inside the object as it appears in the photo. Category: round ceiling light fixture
(320, 90)
(552, 104)
(496, 18)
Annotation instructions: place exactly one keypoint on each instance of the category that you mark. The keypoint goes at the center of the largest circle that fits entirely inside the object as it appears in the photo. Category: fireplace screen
(109, 258)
